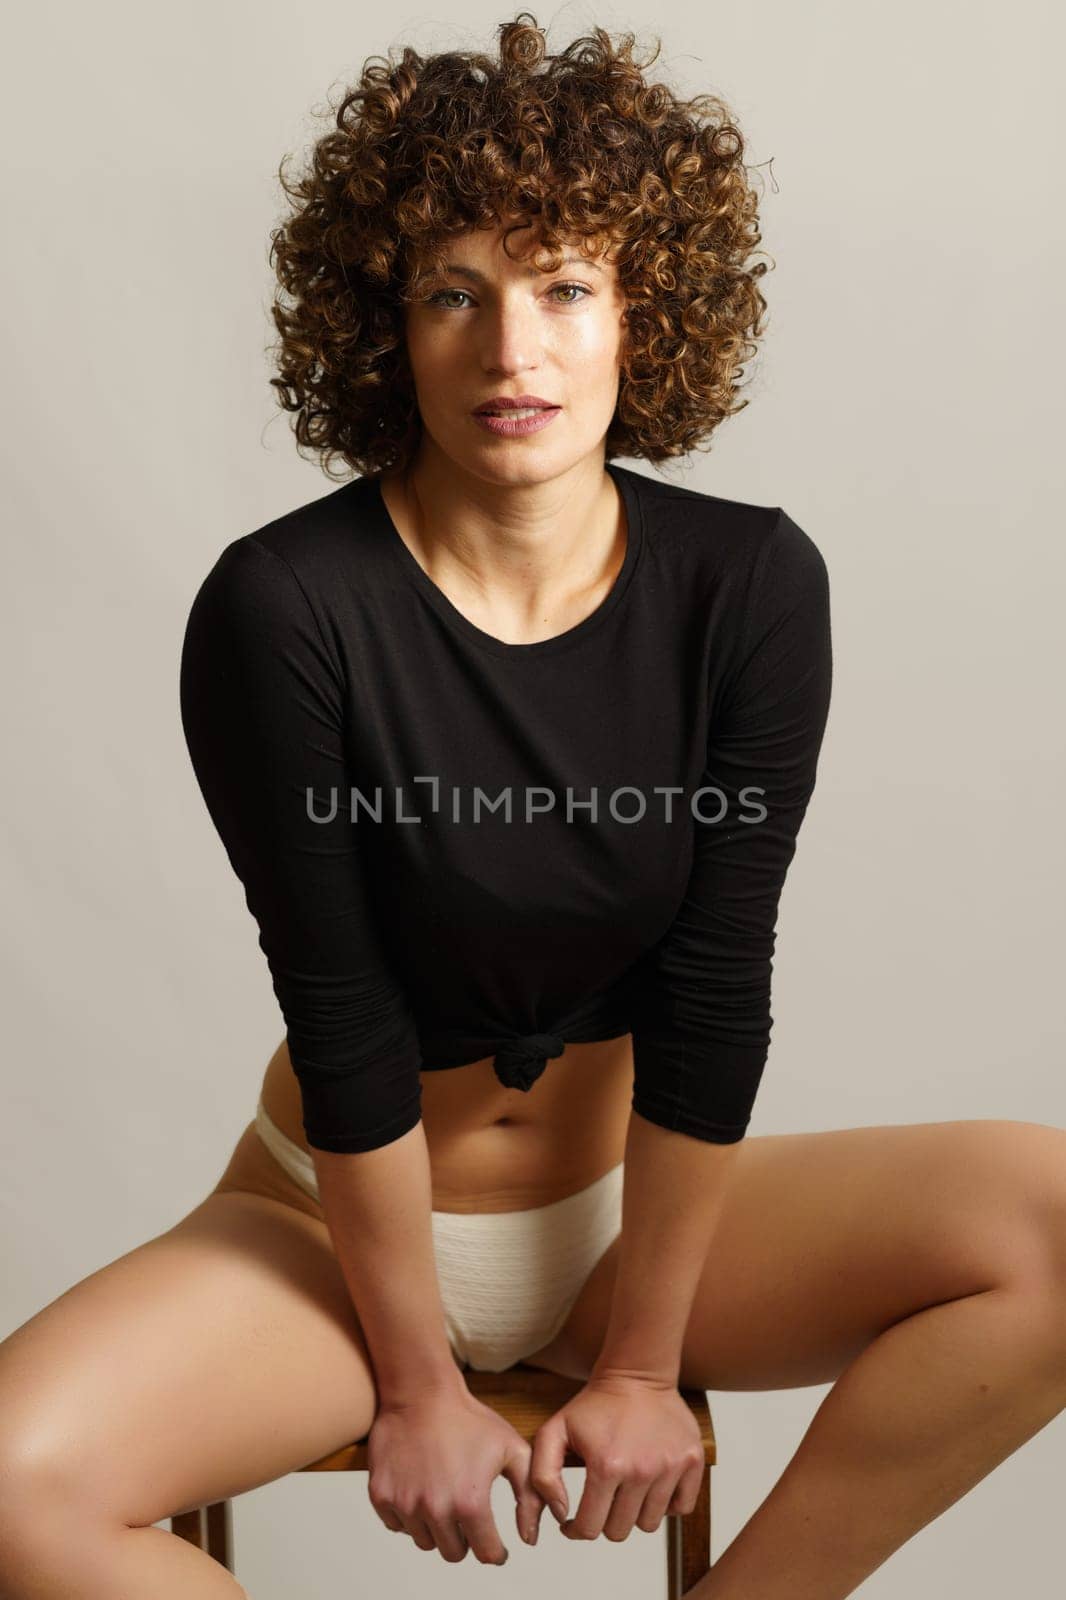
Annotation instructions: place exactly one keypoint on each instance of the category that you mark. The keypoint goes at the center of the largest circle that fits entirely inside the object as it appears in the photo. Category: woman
(509, 748)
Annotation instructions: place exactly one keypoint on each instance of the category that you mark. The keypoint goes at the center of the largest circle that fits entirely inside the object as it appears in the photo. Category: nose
(510, 336)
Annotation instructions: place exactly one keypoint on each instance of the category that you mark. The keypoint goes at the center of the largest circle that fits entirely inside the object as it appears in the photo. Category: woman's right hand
(432, 1463)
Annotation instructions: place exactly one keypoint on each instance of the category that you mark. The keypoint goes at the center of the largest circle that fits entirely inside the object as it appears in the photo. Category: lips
(501, 404)
(517, 422)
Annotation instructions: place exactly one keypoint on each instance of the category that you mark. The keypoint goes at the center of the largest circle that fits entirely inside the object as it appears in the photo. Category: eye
(439, 297)
(441, 294)
(580, 287)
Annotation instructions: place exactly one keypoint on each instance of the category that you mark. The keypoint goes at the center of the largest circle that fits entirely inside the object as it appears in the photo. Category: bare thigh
(826, 1239)
(216, 1357)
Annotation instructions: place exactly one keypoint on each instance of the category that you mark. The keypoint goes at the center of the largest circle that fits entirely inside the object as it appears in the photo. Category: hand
(643, 1456)
(432, 1464)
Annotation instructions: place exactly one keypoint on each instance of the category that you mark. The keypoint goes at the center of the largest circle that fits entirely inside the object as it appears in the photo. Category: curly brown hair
(574, 147)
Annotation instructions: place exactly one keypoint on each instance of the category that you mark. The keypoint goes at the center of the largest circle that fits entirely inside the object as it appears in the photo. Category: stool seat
(525, 1397)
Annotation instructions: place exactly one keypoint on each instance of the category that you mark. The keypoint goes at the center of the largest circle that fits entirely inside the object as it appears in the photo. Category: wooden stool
(525, 1397)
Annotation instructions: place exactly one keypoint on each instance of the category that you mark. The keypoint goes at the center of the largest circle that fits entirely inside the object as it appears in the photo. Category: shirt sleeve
(703, 1021)
(262, 706)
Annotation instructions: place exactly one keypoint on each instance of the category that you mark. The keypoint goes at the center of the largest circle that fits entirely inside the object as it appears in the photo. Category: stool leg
(209, 1528)
(688, 1544)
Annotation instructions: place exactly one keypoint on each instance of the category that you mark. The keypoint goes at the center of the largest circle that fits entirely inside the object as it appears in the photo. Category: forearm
(672, 1196)
(378, 1206)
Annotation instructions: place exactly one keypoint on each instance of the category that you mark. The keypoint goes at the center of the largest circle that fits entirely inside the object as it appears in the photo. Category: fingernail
(560, 1510)
(504, 1559)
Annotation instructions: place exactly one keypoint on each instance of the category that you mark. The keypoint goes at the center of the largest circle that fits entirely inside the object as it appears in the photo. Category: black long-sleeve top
(456, 847)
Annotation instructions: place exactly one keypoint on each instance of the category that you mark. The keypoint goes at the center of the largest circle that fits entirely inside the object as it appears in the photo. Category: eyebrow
(460, 269)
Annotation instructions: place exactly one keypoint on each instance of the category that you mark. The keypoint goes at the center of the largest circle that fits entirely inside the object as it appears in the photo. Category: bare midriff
(497, 1149)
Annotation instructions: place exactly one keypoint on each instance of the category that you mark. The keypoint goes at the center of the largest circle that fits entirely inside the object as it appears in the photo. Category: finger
(688, 1490)
(657, 1502)
(595, 1506)
(447, 1536)
(625, 1509)
(479, 1528)
(418, 1528)
(528, 1503)
(390, 1519)
(546, 1469)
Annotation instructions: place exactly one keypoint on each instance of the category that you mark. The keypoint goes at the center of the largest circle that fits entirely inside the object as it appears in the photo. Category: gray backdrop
(905, 410)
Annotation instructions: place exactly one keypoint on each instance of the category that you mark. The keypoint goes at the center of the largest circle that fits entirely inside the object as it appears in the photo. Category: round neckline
(559, 641)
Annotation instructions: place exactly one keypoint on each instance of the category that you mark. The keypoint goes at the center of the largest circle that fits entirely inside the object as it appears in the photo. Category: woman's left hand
(642, 1451)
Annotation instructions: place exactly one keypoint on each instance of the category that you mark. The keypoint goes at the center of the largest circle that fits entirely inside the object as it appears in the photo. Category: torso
(497, 1149)
(492, 1148)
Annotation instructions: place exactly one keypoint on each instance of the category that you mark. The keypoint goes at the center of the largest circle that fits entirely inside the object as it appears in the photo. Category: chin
(521, 462)
(515, 462)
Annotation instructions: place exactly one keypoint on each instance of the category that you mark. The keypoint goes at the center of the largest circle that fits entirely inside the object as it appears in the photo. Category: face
(495, 326)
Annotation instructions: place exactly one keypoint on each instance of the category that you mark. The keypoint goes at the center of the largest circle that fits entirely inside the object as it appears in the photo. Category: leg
(219, 1356)
(923, 1267)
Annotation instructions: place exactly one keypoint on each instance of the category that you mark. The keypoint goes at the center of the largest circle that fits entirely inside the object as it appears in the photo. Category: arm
(377, 1207)
(703, 1030)
(672, 1195)
(263, 709)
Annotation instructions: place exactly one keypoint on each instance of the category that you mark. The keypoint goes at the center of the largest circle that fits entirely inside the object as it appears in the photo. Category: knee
(31, 1473)
(51, 1521)
(41, 1489)
(1029, 1168)
(34, 1506)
